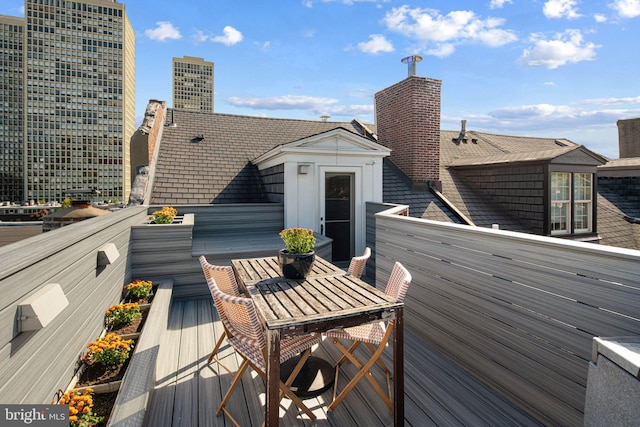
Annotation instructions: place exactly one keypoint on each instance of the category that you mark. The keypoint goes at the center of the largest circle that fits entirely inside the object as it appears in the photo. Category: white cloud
(498, 4)
(561, 9)
(429, 26)
(609, 101)
(567, 47)
(309, 3)
(285, 102)
(315, 105)
(591, 125)
(231, 36)
(377, 43)
(200, 37)
(626, 8)
(600, 17)
(550, 84)
(164, 31)
(442, 50)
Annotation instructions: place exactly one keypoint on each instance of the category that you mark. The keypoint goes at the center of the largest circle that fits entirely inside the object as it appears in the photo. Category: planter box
(134, 390)
(138, 382)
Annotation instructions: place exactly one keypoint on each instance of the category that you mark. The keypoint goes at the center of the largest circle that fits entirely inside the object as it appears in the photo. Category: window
(560, 186)
(582, 202)
(571, 202)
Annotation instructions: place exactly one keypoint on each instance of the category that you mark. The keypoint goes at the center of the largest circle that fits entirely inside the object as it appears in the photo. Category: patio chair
(226, 282)
(246, 335)
(371, 334)
(357, 264)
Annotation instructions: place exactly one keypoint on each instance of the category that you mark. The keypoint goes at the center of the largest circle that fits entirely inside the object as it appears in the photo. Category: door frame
(357, 219)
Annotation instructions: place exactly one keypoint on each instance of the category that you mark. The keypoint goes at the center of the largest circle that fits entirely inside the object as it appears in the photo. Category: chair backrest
(223, 276)
(357, 264)
(239, 316)
(398, 282)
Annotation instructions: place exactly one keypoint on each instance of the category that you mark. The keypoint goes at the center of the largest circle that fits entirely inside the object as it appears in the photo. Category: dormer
(323, 181)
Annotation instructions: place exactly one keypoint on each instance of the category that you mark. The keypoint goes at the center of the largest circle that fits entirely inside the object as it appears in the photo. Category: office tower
(11, 101)
(192, 84)
(79, 98)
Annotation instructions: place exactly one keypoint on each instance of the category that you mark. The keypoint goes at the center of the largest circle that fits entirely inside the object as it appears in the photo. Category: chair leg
(217, 347)
(236, 380)
(363, 372)
(351, 350)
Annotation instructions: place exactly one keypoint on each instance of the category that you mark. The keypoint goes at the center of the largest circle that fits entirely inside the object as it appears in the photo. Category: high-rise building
(192, 84)
(79, 98)
(11, 104)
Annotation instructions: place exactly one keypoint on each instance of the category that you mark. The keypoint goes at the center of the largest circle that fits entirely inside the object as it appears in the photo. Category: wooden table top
(315, 304)
(251, 270)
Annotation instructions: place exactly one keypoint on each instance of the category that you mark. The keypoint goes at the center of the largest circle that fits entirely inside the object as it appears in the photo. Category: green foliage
(66, 203)
(298, 240)
(120, 314)
(140, 288)
(108, 351)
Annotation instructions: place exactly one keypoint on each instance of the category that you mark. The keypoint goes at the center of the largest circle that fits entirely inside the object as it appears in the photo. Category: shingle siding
(273, 179)
(519, 190)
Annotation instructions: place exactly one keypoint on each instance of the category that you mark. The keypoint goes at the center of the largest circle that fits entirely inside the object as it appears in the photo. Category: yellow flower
(73, 419)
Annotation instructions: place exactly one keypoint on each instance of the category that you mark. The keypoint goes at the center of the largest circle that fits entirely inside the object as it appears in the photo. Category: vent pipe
(411, 62)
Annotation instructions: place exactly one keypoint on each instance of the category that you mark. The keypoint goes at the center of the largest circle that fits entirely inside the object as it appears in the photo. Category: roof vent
(324, 118)
(172, 124)
(560, 143)
(463, 133)
(411, 61)
(197, 139)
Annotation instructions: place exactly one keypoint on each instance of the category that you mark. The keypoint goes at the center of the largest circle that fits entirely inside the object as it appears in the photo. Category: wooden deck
(188, 390)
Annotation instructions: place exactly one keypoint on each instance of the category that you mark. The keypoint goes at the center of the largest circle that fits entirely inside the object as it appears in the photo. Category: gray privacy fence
(35, 364)
(517, 311)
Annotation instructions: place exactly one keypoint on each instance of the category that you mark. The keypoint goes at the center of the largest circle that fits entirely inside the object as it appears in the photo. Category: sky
(550, 68)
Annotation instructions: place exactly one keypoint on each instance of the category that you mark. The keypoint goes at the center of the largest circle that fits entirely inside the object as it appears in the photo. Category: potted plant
(80, 407)
(164, 215)
(296, 259)
(140, 290)
(122, 314)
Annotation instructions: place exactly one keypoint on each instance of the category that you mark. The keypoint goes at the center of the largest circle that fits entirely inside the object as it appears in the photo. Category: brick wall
(408, 122)
(155, 130)
(519, 190)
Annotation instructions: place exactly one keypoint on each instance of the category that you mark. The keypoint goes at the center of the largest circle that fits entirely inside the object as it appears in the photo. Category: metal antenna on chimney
(411, 61)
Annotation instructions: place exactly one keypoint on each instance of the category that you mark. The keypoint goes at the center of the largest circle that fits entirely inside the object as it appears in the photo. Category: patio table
(326, 299)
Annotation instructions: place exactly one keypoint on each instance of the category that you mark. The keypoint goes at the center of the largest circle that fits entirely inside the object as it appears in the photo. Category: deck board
(188, 390)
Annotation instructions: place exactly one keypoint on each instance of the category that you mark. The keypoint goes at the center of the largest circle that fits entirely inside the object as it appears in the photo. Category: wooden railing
(518, 311)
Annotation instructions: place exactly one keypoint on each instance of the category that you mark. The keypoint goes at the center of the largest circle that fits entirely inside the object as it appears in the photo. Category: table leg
(272, 412)
(398, 368)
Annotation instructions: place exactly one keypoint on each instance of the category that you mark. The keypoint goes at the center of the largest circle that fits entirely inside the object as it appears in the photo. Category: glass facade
(11, 112)
(79, 98)
(192, 84)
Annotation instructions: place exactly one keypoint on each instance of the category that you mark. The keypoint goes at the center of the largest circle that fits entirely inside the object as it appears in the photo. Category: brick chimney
(408, 122)
(629, 138)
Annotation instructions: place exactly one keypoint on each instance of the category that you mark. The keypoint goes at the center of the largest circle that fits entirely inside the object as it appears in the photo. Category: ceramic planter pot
(295, 266)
